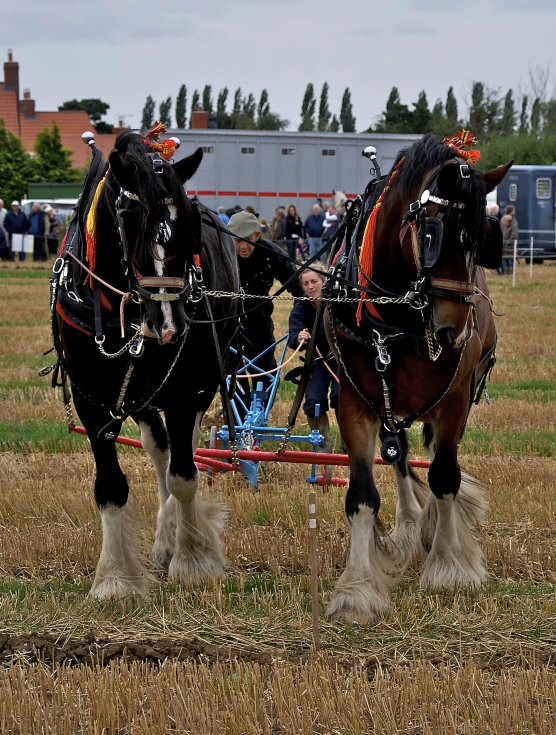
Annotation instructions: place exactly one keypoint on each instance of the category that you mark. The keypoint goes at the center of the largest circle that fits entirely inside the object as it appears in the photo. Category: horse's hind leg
(198, 551)
(404, 542)
(361, 591)
(454, 506)
(120, 570)
(155, 442)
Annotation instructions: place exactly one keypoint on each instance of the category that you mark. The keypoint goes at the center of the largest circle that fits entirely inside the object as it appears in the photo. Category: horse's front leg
(154, 438)
(121, 569)
(361, 591)
(198, 550)
(454, 506)
(404, 541)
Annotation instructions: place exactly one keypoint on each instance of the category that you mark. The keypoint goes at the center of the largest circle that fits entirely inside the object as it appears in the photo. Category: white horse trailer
(266, 168)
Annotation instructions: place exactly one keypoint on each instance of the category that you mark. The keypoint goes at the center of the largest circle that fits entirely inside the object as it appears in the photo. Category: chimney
(27, 105)
(11, 74)
(120, 123)
(199, 119)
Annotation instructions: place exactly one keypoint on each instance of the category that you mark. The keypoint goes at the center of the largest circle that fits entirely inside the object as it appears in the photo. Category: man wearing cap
(16, 223)
(4, 250)
(259, 267)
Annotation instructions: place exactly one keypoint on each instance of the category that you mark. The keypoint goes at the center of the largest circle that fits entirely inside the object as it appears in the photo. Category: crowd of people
(41, 224)
(297, 238)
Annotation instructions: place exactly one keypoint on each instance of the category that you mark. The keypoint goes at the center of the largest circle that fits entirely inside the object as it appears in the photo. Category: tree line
(246, 113)
(51, 162)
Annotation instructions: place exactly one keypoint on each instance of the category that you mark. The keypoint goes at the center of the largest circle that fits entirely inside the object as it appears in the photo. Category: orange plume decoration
(460, 140)
(367, 247)
(166, 148)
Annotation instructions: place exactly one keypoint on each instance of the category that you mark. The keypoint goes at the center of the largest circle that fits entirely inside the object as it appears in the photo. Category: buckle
(415, 206)
(58, 265)
(464, 171)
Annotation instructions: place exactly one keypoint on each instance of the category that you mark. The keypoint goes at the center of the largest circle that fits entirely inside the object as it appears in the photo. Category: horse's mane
(420, 158)
(133, 151)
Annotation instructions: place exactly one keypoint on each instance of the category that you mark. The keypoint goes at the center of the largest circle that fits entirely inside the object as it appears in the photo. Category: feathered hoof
(361, 606)
(162, 556)
(450, 571)
(115, 588)
(197, 567)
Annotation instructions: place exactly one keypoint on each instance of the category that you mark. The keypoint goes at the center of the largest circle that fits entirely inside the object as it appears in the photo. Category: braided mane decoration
(460, 140)
(167, 148)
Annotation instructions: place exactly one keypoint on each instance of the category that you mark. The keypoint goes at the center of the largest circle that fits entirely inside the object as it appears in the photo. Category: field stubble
(235, 655)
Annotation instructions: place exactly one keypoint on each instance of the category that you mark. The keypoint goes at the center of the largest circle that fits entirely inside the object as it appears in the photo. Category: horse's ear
(124, 179)
(494, 177)
(186, 168)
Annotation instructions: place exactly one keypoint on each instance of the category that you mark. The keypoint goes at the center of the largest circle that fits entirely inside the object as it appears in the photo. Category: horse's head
(160, 232)
(449, 233)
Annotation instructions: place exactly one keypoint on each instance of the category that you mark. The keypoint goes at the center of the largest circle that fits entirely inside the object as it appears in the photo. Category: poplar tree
(194, 103)
(346, 113)
(421, 116)
(207, 100)
(324, 112)
(223, 120)
(451, 109)
(477, 112)
(181, 106)
(523, 124)
(308, 110)
(334, 125)
(15, 166)
(263, 108)
(147, 117)
(164, 114)
(507, 123)
(52, 161)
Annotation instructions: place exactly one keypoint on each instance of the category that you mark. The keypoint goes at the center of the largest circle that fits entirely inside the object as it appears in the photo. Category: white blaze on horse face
(165, 305)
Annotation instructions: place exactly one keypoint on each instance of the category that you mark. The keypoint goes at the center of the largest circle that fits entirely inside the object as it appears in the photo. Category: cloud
(414, 28)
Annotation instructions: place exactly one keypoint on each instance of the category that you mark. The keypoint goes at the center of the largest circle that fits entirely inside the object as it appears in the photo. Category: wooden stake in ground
(314, 570)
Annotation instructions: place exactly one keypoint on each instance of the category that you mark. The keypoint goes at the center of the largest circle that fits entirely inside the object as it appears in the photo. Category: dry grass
(234, 656)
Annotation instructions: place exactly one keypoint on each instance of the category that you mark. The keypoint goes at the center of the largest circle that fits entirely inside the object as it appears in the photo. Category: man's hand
(303, 336)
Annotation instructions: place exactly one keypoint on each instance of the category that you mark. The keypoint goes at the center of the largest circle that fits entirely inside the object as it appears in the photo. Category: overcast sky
(123, 50)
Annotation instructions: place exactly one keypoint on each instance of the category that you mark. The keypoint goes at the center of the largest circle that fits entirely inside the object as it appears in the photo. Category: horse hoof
(353, 619)
(162, 558)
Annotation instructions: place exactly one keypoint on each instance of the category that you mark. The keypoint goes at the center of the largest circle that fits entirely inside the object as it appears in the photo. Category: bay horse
(423, 354)
(146, 239)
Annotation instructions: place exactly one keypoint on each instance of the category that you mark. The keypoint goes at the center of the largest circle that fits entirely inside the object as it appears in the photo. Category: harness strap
(97, 311)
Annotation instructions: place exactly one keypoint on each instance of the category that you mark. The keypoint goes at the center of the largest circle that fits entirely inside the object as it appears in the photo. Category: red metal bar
(213, 457)
(340, 481)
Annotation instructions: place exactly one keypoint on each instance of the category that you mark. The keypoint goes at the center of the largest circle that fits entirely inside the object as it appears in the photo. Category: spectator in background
(278, 225)
(15, 223)
(265, 227)
(221, 212)
(251, 210)
(314, 227)
(53, 231)
(294, 231)
(330, 223)
(4, 249)
(325, 206)
(510, 209)
(39, 227)
(509, 234)
(495, 211)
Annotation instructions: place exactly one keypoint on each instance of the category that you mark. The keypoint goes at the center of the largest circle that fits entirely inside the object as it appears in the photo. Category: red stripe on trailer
(328, 195)
(227, 193)
(308, 194)
(268, 193)
(287, 194)
(246, 193)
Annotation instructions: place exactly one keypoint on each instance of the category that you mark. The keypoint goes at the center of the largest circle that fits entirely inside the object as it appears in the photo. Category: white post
(314, 570)
(515, 263)
(531, 260)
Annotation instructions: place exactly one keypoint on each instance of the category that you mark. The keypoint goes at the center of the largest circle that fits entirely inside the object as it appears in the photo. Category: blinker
(432, 241)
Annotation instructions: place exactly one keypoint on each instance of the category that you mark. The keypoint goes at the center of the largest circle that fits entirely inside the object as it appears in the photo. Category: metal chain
(336, 299)
(285, 439)
(69, 413)
(234, 446)
(433, 354)
(124, 349)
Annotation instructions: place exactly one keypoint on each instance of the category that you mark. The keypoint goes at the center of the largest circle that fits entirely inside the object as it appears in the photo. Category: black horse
(419, 356)
(147, 238)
